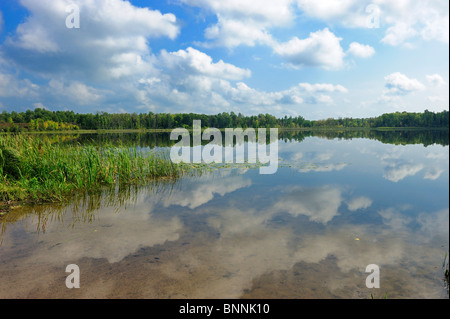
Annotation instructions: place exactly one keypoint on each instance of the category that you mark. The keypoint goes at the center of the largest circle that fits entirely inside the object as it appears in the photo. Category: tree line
(45, 120)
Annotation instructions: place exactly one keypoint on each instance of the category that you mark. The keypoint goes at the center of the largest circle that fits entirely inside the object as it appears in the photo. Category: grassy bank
(36, 170)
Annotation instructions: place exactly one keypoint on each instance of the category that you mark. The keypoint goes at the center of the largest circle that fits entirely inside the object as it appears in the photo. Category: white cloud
(323, 168)
(112, 40)
(361, 50)
(105, 239)
(434, 223)
(359, 203)
(436, 80)
(399, 33)
(348, 12)
(399, 84)
(244, 22)
(435, 99)
(319, 204)
(277, 13)
(403, 20)
(192, 61)
(321, 87)
(393, 218)
(203, 191)
(410, 19)
(396, 172)
(437, 28)
(232, 33)
(321, 49)
(188, 78)
(75, 91)
(433, 173)
(12, 86)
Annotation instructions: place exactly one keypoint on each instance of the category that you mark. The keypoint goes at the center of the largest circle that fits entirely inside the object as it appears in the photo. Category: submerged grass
(37, 170)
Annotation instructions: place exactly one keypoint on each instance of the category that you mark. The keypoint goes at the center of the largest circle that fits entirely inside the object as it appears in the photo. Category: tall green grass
(38, 170)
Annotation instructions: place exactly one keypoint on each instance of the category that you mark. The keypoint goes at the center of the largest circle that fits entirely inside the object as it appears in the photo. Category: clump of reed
(39, 170)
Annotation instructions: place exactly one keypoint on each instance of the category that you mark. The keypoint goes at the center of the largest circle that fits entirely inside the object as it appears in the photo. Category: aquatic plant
(39, 170)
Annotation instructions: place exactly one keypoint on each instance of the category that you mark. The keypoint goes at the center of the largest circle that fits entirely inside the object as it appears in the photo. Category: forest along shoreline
(45, 120)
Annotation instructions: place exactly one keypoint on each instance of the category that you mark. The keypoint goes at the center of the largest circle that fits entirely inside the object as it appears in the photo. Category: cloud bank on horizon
(318, 59)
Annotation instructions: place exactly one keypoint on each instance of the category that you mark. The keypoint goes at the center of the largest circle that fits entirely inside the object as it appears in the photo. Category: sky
(315, 58)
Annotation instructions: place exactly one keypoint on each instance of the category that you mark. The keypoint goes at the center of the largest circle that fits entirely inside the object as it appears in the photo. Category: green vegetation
(38, 125)
(385, 296)
(35, 169)
(44, 120)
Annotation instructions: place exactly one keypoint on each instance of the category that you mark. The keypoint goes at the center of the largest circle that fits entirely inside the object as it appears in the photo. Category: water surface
(337, 203)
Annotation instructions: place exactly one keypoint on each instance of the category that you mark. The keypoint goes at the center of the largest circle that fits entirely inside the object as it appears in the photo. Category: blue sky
(318, 59)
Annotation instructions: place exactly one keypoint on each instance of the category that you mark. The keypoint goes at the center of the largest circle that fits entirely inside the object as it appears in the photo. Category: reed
(38, 170)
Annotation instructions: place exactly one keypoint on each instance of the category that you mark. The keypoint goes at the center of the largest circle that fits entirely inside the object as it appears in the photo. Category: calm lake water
(338, 203)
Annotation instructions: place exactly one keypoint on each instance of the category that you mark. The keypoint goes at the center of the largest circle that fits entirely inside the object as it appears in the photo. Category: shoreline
(281, 129)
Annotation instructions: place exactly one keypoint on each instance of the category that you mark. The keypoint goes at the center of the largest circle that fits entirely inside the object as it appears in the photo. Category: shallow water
(334, 207)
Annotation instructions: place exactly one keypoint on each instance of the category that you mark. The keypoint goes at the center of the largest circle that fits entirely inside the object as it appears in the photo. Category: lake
(339, 202)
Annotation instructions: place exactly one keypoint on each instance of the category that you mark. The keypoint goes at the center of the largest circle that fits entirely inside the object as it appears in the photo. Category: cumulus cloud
(317, 162)
(433, 173)
(12, 86)
(190, 77)
(436, 80)
(399, 84)
(113, 236)
(75, 91)
(321, 49)
(359, 203)
(202, 192)
(244, 22)
(113, 38)
(232, 33)
(434, 223)
(321, 87)
(398, 34)
(259, 10)
(192, 61)
(394, 218)
(324, 9)
(396, 172)
(249, 22)
(319, 204)
(415, 19)
(361, 50)
(403, 20)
